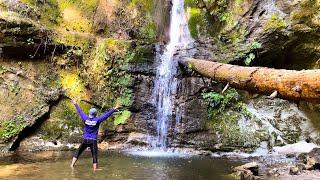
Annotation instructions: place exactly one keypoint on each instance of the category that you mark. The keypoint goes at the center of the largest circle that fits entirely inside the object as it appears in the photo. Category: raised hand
(118, 106)
(74, 101)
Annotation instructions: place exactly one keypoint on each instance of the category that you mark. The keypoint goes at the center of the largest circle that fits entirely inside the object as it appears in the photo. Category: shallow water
(114, 166)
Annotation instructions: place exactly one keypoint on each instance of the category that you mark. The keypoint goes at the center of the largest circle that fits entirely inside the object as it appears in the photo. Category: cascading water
(165, 82)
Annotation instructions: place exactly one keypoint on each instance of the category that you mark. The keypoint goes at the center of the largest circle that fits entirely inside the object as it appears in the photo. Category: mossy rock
(275, 22)
(63, 123)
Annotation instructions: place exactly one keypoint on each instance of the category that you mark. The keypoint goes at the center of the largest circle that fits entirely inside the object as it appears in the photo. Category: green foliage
(11, 128)
(144, 5)
(30, 41)
(122, 117)
(148, 30)
(49, 11)
(219, 9)
(140, 54)
(249, 59)
(224, 111)
(254, 45)
(14, 88)
(191, 3)
(275, 22)
(63, 121)
(197, 23)
(230, 132)
(2, 69)
(248, 54)
(219, 102)
(75, 40)
(107, 73)
(133, 18)
(87, 7)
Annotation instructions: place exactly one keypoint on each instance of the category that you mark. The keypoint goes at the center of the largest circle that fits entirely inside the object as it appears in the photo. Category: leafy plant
(2, 69)
(30, 41)
(224, 111)
(219, 102)
(10, 129)
(14, 88)
(249, 52)
(249, 59)
(122, 117)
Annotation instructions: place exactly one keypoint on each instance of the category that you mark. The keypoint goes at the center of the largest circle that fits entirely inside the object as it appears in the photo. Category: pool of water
(55, 165)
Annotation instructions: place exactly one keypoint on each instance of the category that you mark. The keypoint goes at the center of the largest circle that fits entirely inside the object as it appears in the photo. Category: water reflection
(117, 166)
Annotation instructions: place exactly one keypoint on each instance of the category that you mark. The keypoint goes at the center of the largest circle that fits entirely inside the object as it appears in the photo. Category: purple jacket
(91, 125)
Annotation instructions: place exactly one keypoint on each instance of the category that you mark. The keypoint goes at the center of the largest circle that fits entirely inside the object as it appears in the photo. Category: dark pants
(92, 144)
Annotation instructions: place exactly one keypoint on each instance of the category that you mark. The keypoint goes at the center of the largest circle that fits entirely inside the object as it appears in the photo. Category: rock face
(287, 31)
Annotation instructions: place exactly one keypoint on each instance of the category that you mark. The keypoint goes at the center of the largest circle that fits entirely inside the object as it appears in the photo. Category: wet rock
(253, 167)
(301, 166)
(284, 120)
(294, 170)
(290, 155)
(249, 171)
(138, 139)
(204, 153)
(315, 152)
(273, 172)
(311, 159)
(310, 163)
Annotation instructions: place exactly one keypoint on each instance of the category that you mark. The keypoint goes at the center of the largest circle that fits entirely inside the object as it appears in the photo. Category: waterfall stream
(165, 82)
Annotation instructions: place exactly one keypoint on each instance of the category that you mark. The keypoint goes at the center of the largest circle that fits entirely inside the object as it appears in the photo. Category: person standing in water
(90, 132)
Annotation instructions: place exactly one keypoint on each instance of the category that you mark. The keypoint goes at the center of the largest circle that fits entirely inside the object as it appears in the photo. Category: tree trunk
(290, 84)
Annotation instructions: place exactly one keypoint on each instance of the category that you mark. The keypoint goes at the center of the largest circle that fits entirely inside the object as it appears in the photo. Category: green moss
(86, 7)
(191, 3)
(77, 15)
(14, 88)
(107, 75)
(199, 23)
(237, 7)
(208, 18)
(122, 117)
(72, 84)
(15, 24)
(63, 121)
(224, 111)
(196, 22)
(76, 40)
(145, 5)
(49, 11)
(275, 22)
(230, 133)
(132, 19)
(148, 31)
(11, 128)
(141, 54)
(219, 9)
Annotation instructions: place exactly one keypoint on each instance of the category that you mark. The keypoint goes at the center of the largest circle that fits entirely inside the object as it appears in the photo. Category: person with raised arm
(90, 132)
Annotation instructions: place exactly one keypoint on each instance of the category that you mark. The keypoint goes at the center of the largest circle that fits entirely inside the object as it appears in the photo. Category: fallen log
(289, 84)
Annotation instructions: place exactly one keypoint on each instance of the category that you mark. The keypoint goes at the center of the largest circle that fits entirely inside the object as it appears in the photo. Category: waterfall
(165, 82)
